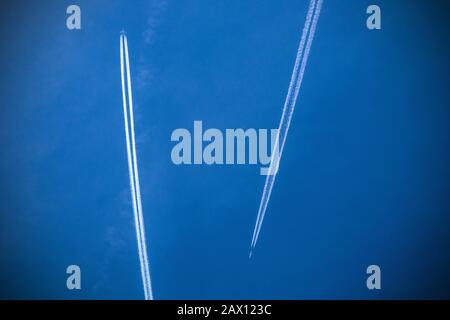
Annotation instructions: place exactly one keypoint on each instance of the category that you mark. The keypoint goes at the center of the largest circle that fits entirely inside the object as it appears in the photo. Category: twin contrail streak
(133, 168)
(304, 48)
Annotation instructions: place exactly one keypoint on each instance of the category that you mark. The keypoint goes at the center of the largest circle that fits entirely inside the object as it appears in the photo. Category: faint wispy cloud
(144, 74)
(157, 8)
(145, 71)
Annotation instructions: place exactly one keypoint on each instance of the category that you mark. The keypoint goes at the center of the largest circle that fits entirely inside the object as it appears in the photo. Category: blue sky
(364, 177)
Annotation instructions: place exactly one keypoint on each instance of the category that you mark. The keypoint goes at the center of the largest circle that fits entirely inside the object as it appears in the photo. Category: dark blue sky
(364, 177)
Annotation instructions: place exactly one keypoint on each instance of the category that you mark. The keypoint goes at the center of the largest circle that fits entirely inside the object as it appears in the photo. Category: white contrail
(130, 168)
(136, 174)
(133, 170)
(296, 80)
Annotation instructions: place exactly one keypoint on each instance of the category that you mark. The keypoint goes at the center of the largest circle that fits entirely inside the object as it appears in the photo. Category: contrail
(136, 174)
(303, 51)
(133, 169)
(130, 166)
